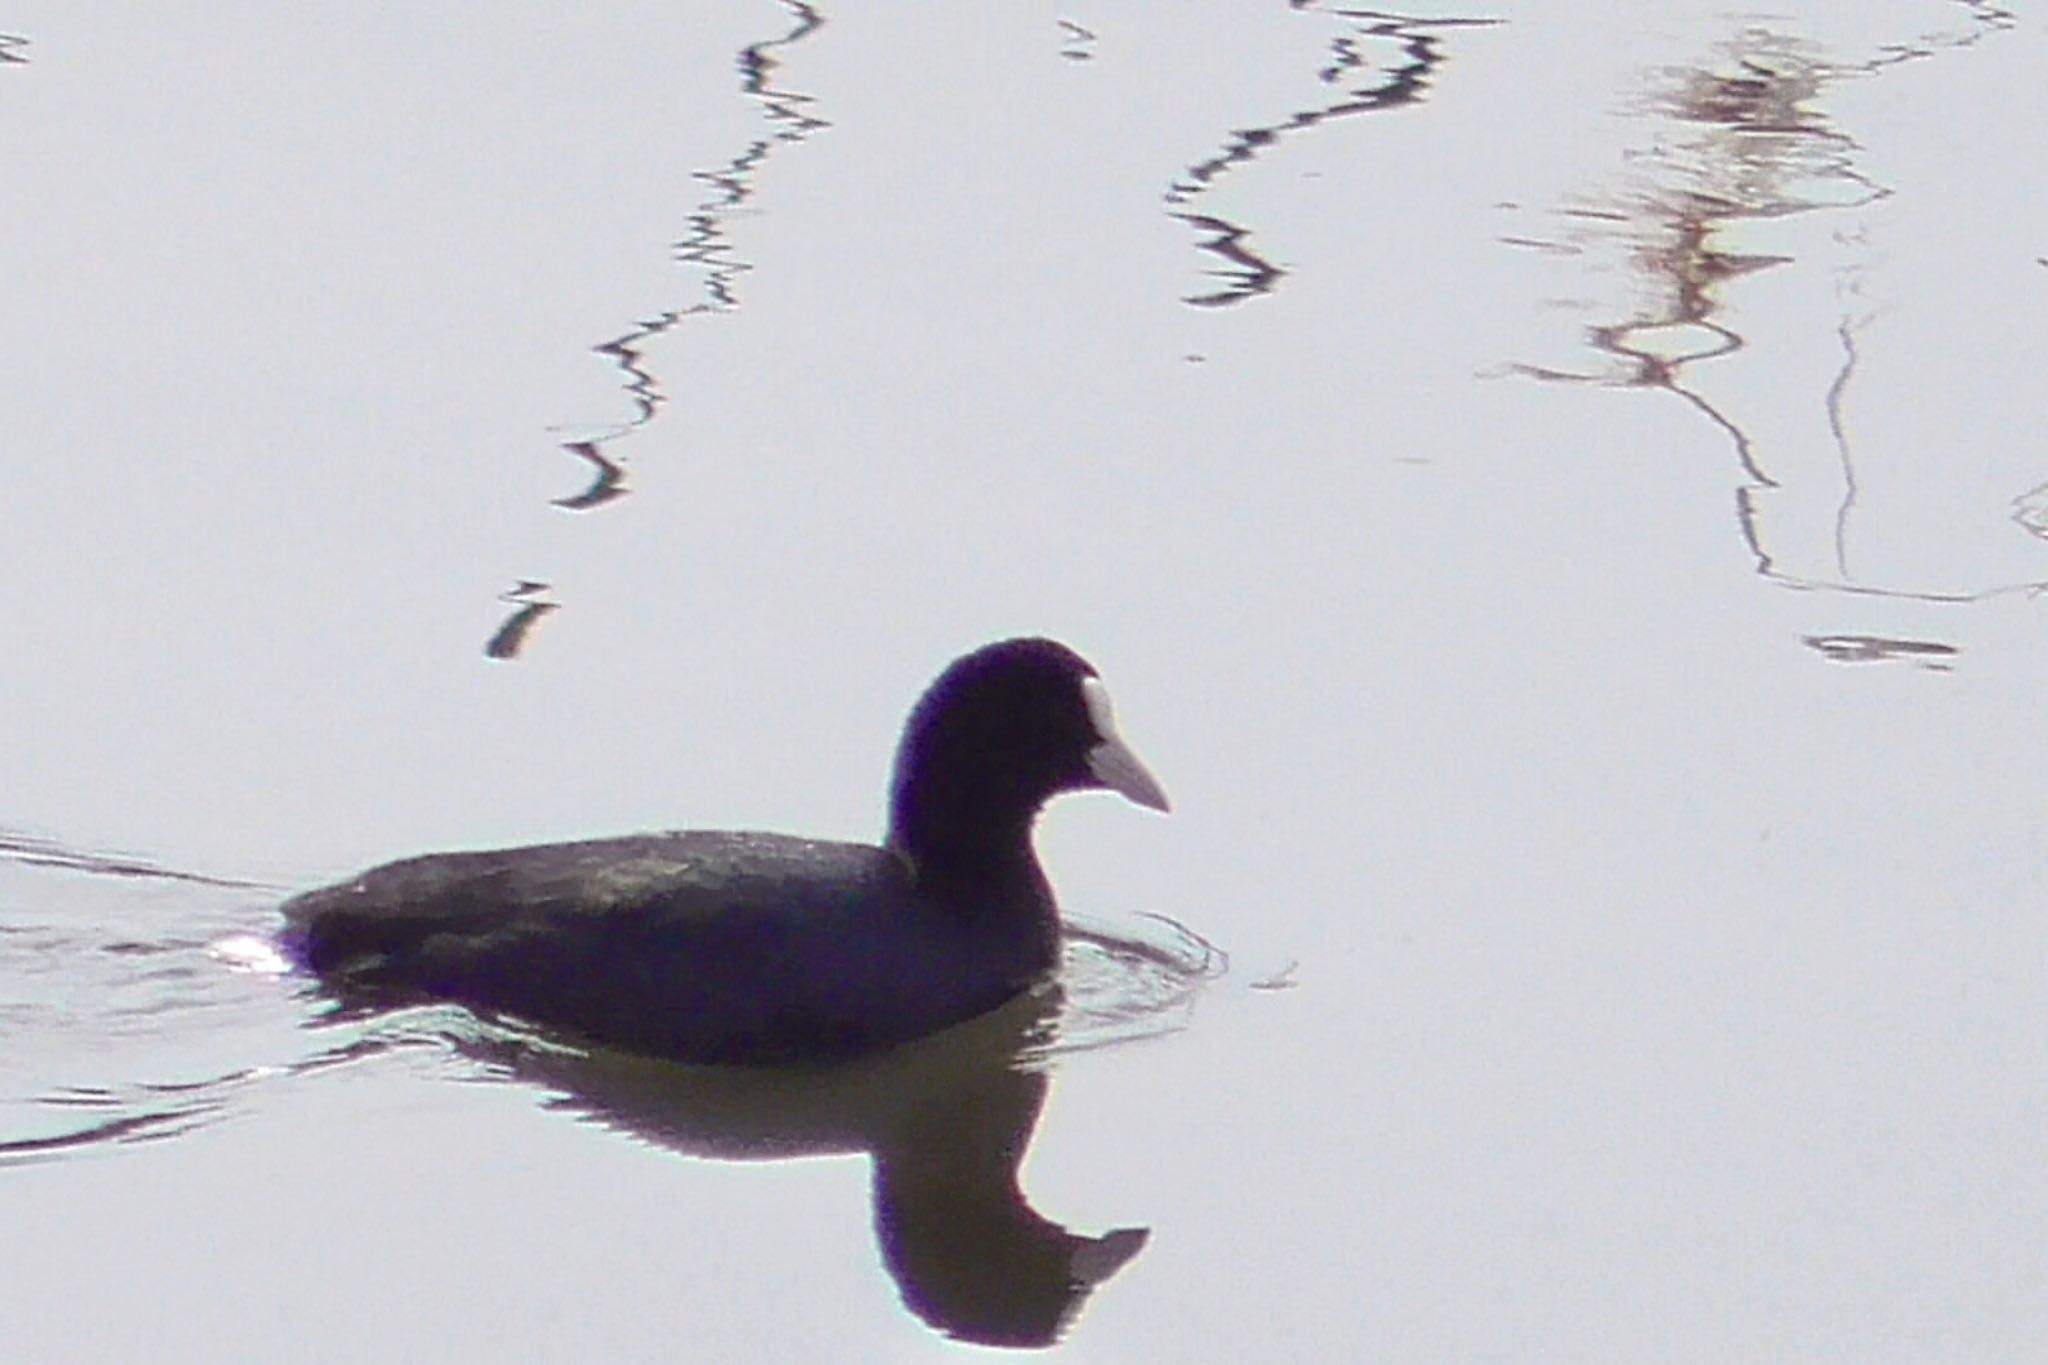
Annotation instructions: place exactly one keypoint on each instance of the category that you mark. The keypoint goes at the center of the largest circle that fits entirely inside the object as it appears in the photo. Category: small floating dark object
(754, 948)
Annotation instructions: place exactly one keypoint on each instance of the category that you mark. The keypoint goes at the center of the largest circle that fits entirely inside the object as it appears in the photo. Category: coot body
(764, 948)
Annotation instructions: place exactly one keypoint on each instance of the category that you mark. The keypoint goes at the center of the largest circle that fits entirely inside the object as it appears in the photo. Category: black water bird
(763, 948)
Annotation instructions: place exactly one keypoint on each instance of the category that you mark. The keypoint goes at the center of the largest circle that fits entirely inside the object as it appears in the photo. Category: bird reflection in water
(946, 1121)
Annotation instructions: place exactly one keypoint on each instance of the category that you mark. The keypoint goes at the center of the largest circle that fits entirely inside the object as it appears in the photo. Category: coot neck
(966, 851)
(975, 764)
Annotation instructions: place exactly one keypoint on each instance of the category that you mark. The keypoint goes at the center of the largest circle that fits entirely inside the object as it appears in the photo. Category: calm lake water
(1559, 496)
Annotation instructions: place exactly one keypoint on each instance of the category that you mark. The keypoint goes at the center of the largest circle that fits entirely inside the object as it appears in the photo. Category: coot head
(1001, 732)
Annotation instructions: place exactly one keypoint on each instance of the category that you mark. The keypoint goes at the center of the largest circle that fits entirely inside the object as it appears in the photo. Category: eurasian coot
(762, 948)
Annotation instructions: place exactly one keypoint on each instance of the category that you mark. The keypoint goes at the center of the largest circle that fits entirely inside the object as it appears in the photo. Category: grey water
(1557, 493)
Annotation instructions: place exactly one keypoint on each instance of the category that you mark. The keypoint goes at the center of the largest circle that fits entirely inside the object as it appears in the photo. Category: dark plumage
(734, 947)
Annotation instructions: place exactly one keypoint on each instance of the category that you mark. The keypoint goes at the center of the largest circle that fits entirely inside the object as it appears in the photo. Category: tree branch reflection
(706, 247)
(1731, 144)
(1354, 83)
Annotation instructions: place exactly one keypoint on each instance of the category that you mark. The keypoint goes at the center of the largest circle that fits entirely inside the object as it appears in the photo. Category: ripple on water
(123, 1034)
(119, 1025)
(1134, 980)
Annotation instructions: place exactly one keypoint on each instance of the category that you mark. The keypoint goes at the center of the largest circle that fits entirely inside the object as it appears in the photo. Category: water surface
(1556, 497)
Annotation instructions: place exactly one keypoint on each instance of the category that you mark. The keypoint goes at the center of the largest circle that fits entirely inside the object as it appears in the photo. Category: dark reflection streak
(13, 49)
(510, 638)
(36, 852)
(704, 243)
(608, 483)
(1867, 649)
(1836, 429)
(1804, 584)
(1404, 85)
(1745, 448)
(1651, 371)
(1989, 19)
(1281, 980)
(704, 246)
(1077, 42)
(82, 1097)
(1248, 274)
(1226, 239)
(1549, 248)
(126, 1130)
